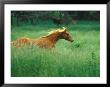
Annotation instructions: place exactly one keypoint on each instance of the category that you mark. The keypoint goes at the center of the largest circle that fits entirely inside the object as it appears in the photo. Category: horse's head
(65, 35)
(60, 34)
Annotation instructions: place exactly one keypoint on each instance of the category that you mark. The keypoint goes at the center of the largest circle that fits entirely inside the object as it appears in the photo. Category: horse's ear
(64, 28)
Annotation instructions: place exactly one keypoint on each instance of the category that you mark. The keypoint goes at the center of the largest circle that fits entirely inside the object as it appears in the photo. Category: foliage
(34, 17)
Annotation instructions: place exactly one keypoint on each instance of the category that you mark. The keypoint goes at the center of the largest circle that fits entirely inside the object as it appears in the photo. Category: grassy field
(78, 59)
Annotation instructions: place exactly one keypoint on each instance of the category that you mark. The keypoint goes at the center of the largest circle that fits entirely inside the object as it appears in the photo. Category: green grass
(78, 59)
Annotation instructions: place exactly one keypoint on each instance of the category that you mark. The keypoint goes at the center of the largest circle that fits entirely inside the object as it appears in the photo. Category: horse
(47, 41)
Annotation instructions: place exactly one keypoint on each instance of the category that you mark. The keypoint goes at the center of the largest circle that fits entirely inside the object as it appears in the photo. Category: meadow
(80, 58)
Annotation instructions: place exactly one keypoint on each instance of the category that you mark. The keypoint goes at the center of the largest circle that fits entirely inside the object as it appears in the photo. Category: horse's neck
(53, 38)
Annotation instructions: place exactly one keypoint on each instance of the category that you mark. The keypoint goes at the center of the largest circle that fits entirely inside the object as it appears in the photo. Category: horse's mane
(54, 31)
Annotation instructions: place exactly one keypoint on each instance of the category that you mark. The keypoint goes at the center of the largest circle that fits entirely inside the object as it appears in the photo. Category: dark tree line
(57, 17)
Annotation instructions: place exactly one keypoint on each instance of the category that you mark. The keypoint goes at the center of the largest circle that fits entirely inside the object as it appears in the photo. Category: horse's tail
(21, 42)
(13, 43)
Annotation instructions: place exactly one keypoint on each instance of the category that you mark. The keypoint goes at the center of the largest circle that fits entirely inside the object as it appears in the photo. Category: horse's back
(43, 43)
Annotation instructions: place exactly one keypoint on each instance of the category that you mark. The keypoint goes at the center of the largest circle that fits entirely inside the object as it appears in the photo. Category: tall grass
(78, 59)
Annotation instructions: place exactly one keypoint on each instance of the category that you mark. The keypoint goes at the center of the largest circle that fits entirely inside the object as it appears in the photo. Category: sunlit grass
(78, 59)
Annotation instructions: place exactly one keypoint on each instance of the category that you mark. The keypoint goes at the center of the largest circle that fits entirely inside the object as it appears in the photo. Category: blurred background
(19, 18)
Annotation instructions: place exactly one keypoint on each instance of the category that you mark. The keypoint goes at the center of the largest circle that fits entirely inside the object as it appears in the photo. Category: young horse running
(48, 41)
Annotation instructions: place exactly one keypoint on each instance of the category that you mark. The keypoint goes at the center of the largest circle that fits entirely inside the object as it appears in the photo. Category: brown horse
(48, 41)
